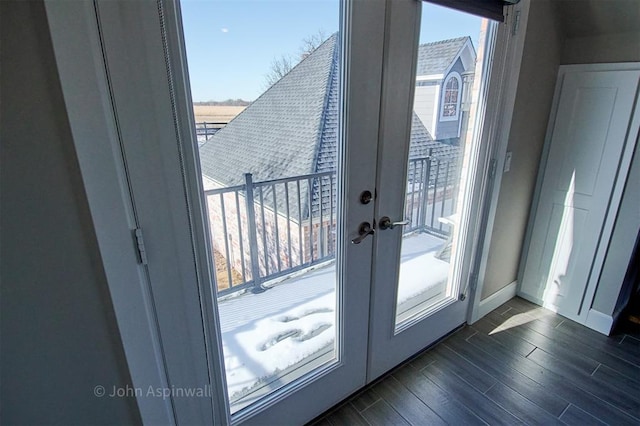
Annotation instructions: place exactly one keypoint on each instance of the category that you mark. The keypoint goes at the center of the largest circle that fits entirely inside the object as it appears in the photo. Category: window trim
(452, 76)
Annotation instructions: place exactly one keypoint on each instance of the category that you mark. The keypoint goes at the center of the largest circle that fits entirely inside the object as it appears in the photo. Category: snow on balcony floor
(265, 334)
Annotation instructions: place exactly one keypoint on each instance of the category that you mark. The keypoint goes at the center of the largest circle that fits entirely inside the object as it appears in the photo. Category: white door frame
(362, 61)
(76, 36)
(86, 87)
(500, 102)
(86, 49)
(77, 48)
(598, 320)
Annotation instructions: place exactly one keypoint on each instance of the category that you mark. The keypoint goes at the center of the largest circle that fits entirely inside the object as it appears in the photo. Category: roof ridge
(325, 106)
(461, 48)
(273, 85)
(450, 40)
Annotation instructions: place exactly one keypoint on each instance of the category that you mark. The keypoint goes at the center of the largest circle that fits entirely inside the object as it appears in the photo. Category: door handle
(385, 223)
(364, 231)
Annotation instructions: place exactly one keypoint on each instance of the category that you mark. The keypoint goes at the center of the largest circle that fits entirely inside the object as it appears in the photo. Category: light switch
(507, 162)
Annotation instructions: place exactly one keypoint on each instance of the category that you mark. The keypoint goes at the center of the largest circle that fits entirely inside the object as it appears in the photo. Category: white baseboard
(496, 299)
(530, 298)
(599, 322)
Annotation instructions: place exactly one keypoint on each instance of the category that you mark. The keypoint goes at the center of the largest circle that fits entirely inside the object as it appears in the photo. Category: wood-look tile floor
(521, 364)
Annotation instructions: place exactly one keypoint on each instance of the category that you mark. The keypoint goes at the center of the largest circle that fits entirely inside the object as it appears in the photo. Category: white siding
(425, 106)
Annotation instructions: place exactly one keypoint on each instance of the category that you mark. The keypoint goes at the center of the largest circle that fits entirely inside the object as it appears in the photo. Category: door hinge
(492, 168)
(142, 254)
(516, 23)
(471, 285)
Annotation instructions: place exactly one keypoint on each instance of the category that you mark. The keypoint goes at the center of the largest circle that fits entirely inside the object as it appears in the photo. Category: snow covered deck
(274, 337)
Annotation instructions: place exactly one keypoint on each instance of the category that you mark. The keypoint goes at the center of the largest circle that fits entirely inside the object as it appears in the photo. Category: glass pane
(264, 80)
(447, 82)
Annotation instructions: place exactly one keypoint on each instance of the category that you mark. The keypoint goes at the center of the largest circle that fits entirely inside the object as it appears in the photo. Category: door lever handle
(364, 231)
(385, 223)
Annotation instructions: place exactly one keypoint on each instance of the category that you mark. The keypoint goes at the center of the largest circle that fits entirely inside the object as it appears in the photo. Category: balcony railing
(265, 230)
(206, 129)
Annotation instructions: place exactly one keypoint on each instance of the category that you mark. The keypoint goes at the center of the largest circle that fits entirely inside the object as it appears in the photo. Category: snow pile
(419, 274)
(266, 335)
(274, 343)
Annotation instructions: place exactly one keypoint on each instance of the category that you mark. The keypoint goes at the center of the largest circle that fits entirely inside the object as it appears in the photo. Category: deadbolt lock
(366, 197)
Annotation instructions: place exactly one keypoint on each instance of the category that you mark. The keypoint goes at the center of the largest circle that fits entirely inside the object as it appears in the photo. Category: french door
(414, 299)
(285, 337)
(397, 229)
(342, 258)
(428, 182)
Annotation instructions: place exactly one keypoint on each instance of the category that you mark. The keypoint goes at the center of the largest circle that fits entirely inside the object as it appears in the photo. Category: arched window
(451, 99)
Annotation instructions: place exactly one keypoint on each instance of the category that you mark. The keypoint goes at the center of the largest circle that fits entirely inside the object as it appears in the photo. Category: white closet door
(588, 139)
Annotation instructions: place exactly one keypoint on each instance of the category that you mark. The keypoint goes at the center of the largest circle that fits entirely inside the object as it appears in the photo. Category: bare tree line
(281, 65)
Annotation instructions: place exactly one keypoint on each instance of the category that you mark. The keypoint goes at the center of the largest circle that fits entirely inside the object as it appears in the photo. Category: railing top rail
(199, 123)
(266, 183)
(443, 157)
(294, 178)
(288, 179)
(224, 190)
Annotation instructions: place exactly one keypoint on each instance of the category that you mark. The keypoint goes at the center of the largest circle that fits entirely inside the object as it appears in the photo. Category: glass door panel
(272, 202)
(426, 163)
(275, 140)
(448, 75)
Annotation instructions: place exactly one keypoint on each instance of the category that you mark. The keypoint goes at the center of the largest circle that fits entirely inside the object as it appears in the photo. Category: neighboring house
(444, 77)
(291, 130)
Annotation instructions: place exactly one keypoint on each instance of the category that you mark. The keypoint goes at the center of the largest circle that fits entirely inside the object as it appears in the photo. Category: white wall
(546, 47)
(59, 335)
(624, 47)
(538, 72)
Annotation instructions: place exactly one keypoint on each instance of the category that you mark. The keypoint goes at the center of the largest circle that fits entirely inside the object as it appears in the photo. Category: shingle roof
(278, 133)
(435, 58)
(291, 130)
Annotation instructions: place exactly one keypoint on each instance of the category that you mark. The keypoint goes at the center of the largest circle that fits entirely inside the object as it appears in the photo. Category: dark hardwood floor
(521, 364)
